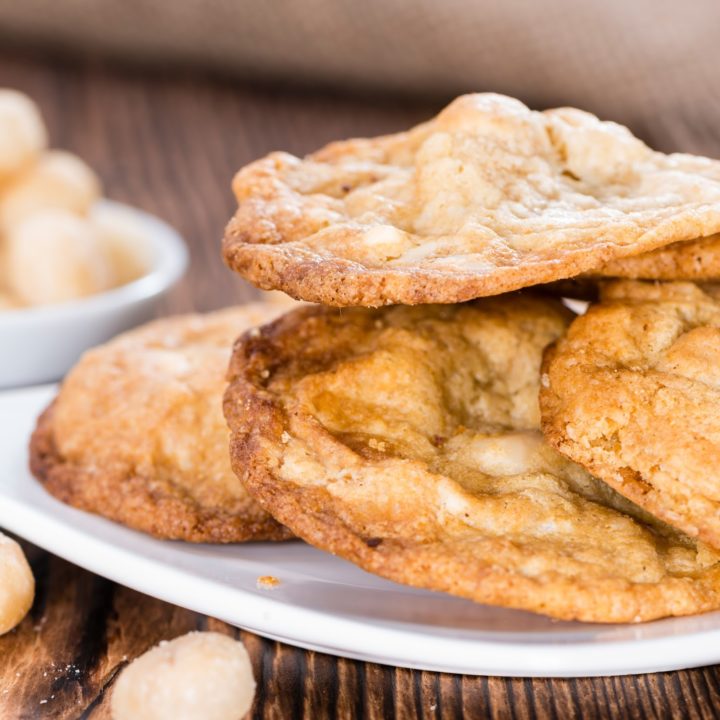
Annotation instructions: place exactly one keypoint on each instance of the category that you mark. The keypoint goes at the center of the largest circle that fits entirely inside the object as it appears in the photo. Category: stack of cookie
(442, 417)
(425, 443)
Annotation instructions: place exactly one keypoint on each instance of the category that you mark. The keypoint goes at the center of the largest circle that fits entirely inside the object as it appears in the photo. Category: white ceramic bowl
(40, 344)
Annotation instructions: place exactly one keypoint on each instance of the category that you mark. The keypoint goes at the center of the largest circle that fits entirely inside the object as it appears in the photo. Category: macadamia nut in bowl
(75, 269)
(55, 302)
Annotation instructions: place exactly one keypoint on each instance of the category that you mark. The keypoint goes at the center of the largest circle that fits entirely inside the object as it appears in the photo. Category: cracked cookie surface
(407, 440)
(487, 197)
(633, 394)
(137, 434)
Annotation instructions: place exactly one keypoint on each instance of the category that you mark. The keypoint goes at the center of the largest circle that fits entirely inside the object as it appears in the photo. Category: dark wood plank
(63, 659)
(170, 143)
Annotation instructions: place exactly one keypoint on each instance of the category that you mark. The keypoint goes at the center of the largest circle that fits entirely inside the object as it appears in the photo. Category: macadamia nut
(58, 180)
(8, 301)
(57, 242)
(199, 676)
(22, 133)
(54, 256)
(17, 585)
(123, 240)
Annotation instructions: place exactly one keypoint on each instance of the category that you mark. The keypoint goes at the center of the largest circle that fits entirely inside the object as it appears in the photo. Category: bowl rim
(170, 261)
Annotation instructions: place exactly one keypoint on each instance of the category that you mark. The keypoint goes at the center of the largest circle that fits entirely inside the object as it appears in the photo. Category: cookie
(486, 198)
(633, 394)
(137, 433)
(695, 260)
(407, 441)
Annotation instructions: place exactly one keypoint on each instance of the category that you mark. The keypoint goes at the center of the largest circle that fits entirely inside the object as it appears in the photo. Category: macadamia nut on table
(17, 584)
(199, 676)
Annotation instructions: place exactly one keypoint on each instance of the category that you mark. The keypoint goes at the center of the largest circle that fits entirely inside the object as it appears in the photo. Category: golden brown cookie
(633, 394)
(137, 434)
(695, 260)
(691, 260)
(407, 440)
(487, 197)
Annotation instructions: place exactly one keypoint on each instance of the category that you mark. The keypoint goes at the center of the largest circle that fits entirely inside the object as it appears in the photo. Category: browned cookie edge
(151, 505)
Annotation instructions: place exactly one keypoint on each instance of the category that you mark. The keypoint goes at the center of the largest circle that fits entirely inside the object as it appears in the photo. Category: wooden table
(169, 142)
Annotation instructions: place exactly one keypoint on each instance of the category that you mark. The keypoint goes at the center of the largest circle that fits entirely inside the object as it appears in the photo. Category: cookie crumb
(267, 582)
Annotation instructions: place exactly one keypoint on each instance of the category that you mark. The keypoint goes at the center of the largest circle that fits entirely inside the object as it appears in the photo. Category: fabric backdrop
(625, 59)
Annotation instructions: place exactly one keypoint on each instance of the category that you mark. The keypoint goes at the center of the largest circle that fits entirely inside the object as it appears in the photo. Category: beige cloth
(625, 59)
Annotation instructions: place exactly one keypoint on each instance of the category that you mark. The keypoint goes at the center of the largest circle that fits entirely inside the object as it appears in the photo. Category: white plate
(326, 604)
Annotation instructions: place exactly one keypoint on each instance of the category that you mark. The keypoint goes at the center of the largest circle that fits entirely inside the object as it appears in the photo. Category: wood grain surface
(169, 143)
